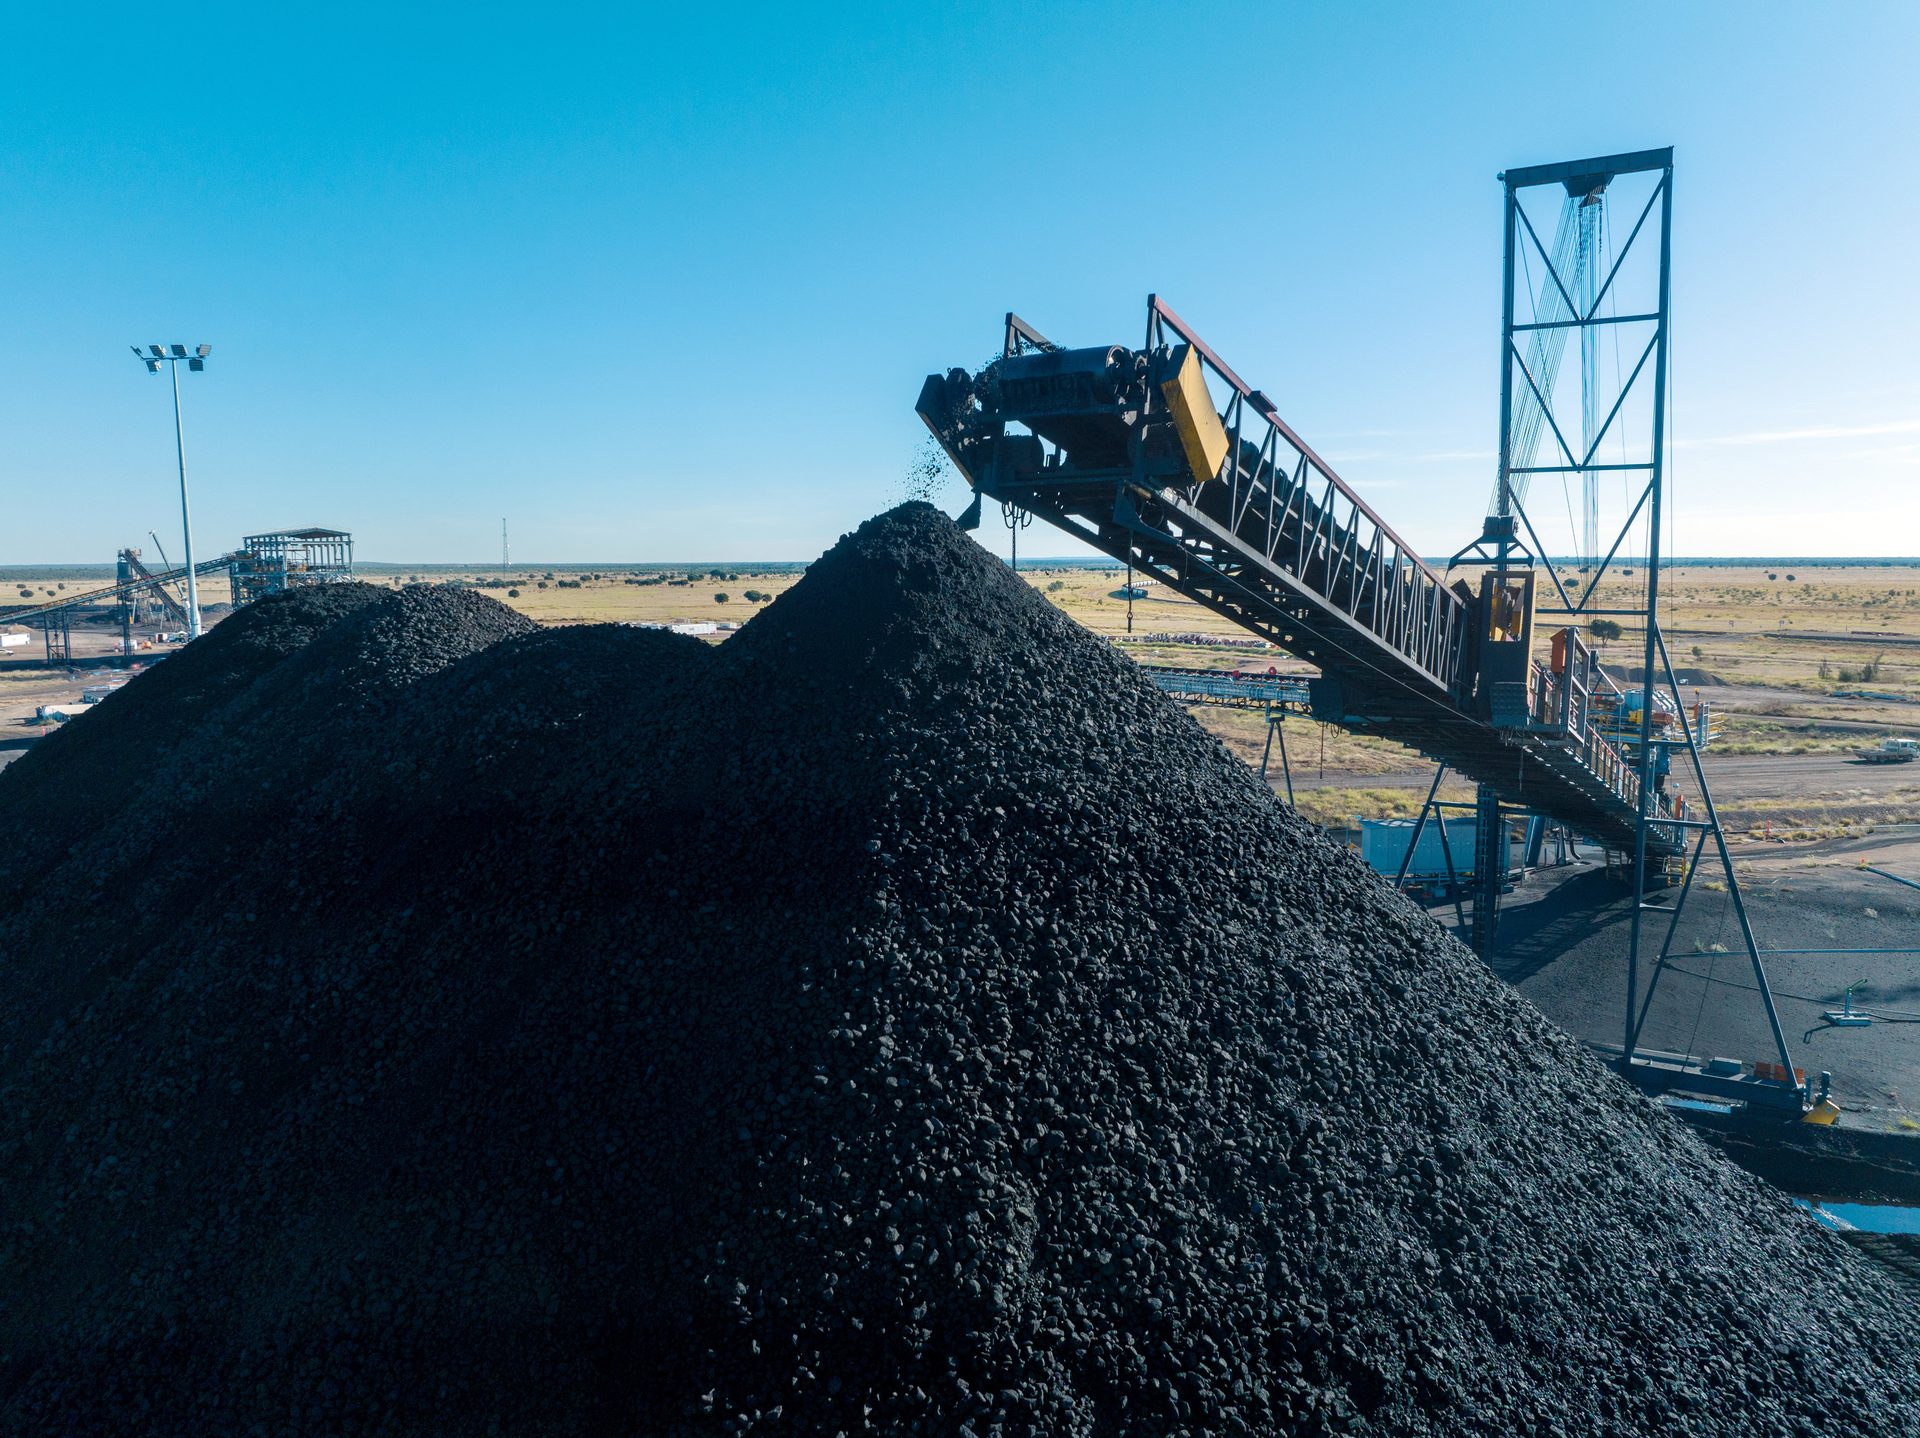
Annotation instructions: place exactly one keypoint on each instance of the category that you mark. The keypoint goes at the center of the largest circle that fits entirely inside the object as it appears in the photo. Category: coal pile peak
(116, 744)
(403, 635)
(899, 1019)
(903, 592)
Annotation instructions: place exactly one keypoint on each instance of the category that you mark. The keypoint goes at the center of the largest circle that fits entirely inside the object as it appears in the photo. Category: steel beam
(1634, 162)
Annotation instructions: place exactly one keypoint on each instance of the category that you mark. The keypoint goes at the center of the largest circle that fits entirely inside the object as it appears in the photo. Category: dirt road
(1737, 777)
(1743, 774)
(1738, 780)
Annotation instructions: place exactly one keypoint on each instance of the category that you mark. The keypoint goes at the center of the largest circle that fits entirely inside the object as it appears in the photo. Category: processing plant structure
(268, 563)
(1162, 457)
(264, 564)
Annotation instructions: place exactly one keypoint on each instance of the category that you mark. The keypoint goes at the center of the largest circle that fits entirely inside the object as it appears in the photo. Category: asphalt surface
(1564, 944)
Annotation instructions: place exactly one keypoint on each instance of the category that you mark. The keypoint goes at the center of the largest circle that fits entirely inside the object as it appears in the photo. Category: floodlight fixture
(195, 361)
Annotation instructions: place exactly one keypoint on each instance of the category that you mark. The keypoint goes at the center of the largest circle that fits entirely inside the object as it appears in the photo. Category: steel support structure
(268, 563)
(1489, 868)
(1510, 535)
(1270, 537)
(57, 630)
(129, 606)
(1431, 805)
(1276, 733)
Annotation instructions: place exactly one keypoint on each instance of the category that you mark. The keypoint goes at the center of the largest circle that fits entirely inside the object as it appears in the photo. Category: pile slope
(900, 1019)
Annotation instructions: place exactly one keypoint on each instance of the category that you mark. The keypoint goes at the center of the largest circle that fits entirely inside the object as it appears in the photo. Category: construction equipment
(140, 579)
(1846, 1016)
(173, 608)
(265, 564)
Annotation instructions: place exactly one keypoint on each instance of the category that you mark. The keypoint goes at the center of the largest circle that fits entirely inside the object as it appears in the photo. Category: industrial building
(268, 563)
(264, 564)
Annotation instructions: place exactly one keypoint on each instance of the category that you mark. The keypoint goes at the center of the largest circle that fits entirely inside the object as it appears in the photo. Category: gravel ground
(899, 1020)
(1563, 943)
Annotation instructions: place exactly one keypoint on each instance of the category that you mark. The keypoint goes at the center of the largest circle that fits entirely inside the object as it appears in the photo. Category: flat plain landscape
(1801, 662)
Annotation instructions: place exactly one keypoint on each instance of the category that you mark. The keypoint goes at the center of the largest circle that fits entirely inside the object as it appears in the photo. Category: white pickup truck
(1890, 751)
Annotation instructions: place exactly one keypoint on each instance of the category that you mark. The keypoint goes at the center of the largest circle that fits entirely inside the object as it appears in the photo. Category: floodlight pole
(186, 518)
(172, 355)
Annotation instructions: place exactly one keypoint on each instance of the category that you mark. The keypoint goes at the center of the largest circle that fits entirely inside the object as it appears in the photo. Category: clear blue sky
(665, 288)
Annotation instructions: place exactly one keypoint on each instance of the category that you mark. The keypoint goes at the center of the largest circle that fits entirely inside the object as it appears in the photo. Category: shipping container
(1383, 844)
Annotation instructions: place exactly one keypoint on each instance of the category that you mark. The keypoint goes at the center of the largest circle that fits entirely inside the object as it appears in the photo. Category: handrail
(1265, 406)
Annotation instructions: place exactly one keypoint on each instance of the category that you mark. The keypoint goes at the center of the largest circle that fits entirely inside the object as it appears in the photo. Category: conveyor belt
(1118, 447)
(1220, 686)
(144, 579)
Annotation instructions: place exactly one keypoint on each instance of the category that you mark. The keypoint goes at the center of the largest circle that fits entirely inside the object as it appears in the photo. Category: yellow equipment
(1202, 436)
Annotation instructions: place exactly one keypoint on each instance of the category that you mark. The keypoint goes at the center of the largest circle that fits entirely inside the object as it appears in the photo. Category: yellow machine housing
(1506, 646)
(1202, 436)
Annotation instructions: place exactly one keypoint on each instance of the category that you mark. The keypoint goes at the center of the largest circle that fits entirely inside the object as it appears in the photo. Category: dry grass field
(618, 596)
(1801, 663)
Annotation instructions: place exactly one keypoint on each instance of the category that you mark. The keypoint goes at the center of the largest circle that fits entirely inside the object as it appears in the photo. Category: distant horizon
(386, 568)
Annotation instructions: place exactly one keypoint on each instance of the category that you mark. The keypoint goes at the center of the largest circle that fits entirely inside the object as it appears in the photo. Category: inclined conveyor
(1131, 451)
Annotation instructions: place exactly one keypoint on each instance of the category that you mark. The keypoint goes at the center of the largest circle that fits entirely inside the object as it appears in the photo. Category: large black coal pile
(103, 765)
(898, 1020)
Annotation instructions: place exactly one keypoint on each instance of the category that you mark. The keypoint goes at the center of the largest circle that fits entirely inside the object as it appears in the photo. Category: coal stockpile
(103, 765)
(900, 1019)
